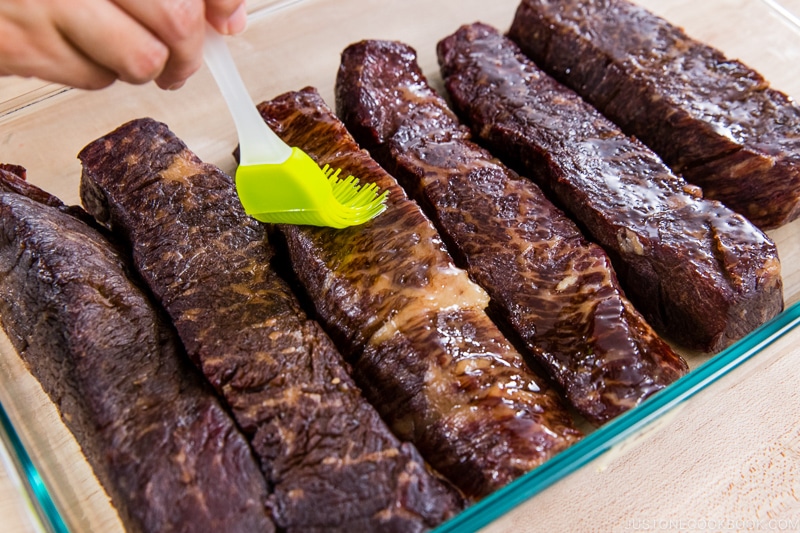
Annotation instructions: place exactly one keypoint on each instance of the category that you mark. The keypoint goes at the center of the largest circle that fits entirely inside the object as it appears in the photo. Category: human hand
(91, 43)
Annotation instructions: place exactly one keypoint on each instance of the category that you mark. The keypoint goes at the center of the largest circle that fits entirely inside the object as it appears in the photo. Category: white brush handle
(257, 142)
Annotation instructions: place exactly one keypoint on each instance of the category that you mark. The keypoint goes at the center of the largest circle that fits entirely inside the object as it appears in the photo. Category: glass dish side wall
(293, 43)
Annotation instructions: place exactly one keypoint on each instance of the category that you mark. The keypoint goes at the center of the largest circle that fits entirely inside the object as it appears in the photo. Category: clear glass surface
(294, 43)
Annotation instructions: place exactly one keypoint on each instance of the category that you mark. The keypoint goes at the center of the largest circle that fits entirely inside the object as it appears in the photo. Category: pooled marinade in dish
(557, 291)
(414, 326)
(713, 120)
(165, 450)
(331, 462)
(702, 274)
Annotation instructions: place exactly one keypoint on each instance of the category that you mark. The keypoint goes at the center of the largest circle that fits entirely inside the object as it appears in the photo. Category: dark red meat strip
(167, 453)
(699, 272)
(332, 463)
(413, 325)
(713, 120)
(557, 291)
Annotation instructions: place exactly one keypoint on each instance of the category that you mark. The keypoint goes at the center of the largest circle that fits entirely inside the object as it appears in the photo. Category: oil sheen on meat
(701, 274)
(714, 120)
(331, 462)
(414, 326)
(557, 292)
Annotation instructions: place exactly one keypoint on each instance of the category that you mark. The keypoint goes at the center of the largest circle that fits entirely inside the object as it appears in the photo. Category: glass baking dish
(734, 413)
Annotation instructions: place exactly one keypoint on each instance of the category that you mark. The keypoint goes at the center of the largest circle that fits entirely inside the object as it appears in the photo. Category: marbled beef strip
(167, 453)
(413, 325)
(713, 120)
(699, 272)
(557, 291)
(331, 461)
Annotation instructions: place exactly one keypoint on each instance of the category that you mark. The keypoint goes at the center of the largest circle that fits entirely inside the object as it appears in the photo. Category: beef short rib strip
(167, 453)
(698, 272)
(331, 462)
(13, 179)
(413, 325)
(557, 291)
(713, 120)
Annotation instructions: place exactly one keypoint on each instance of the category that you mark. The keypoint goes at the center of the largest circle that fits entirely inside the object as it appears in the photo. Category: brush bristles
(348, 192)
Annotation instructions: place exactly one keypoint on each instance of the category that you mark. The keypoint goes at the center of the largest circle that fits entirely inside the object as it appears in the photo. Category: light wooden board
(292, 44)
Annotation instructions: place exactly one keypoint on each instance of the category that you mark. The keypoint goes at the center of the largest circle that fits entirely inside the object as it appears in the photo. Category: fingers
(32, 45)
(70, 69)
(228, 17)
(90, 43)
(180, 25)
(114, 41)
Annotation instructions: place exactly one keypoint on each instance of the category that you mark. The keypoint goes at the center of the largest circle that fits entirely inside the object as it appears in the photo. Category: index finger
(117, 42)
(227, 16)
(180, 25)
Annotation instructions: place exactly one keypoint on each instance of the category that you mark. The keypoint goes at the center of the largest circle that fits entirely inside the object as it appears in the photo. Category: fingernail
(238, 21)
(176, 86)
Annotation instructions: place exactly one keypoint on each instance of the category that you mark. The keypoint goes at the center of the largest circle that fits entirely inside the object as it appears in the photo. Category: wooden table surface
(727, 460)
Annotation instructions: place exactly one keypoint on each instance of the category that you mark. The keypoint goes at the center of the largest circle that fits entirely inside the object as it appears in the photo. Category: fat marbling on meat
(330, 461)
(168, 454)
(714, 120)
(557, 291)
(700, 273)
(414, 326)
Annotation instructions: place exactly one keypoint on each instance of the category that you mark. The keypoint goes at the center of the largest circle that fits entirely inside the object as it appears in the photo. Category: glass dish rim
(495, 505)
(37, 495)
(616, 431)
(47, 517)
